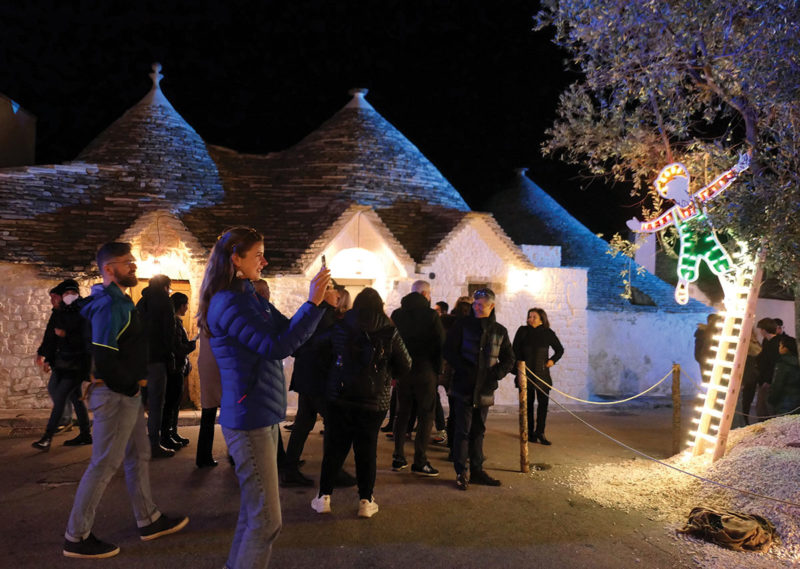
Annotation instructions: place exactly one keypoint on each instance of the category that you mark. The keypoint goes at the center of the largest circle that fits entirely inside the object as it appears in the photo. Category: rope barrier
(568, 396)
(662, 463)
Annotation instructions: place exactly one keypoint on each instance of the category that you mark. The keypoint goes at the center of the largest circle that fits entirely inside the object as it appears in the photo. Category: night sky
(468, 81)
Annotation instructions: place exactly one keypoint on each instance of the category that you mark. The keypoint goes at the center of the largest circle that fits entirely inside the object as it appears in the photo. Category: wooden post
(676, 408)
(522, 378)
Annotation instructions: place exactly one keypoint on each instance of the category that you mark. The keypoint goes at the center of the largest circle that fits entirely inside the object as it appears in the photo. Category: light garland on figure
(698, 239)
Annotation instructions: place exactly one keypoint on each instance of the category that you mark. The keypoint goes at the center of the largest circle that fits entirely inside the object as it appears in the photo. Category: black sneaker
(399, 464)
(461, 481)
(158, 451)
(163, 526)
(82, 439)
(480, 477)
(292, 477)
(425, 470)
(89, 548)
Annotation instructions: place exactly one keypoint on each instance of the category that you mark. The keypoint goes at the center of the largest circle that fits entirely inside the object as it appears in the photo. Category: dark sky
(468, 81)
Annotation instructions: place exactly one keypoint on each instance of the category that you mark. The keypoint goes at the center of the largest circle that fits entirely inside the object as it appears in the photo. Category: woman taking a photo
(532, 345)
(248, 344)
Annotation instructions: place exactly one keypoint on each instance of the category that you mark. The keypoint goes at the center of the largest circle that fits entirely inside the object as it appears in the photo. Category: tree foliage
(694, 81)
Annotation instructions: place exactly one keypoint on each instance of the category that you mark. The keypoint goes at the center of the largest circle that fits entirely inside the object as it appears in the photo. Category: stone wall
(629, 352)
(24, 311)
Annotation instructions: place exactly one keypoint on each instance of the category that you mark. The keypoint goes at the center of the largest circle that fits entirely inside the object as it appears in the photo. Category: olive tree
(693, 81)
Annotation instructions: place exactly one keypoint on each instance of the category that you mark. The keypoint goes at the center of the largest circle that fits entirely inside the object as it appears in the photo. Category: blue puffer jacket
(249, 343)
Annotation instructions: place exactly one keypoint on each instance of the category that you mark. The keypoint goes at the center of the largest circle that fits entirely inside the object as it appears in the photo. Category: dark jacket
(532, 345)
(158, 316)
(312, 360)
(422, 332)
(181, 348)
(367, 354)
(767, 359)
(248, 344)
(47, 348)
(784, 393)
(481, 355)
(119, 343)
(72, 351)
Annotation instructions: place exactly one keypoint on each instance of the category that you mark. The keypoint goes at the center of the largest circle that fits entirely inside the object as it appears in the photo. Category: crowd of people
(771, 375)
(351, 361)
(352, 364)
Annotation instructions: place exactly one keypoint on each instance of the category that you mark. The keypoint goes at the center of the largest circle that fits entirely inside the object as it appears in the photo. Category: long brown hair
(220, 270)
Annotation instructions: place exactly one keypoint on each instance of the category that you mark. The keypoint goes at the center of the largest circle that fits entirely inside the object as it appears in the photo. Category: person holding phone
(248, 345)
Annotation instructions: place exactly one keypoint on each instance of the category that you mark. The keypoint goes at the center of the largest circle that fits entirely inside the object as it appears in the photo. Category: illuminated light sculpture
(740, 277)
(698, 242)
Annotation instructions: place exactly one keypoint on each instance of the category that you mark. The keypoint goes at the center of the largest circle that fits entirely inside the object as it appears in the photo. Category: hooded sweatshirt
(119, 343)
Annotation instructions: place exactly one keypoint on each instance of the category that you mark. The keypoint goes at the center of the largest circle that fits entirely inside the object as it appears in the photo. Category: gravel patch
(758, 460)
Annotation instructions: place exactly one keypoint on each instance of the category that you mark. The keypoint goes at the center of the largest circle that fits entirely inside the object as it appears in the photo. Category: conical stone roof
(160, 151)
(358, 156)
(530, 216)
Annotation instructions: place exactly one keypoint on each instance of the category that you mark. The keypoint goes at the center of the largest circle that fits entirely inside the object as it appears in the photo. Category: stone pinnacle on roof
(359, 98)
(156, 75)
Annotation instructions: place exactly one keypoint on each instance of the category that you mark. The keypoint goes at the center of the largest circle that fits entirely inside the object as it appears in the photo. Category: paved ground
(529, 522)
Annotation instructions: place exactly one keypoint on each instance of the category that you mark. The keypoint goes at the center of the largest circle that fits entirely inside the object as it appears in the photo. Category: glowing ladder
(730, 353)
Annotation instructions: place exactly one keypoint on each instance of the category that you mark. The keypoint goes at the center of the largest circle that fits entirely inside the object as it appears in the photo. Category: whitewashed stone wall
(629, 352)
(24, 311)
(543, 255)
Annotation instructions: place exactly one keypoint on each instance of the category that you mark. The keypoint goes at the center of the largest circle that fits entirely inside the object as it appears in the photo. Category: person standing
(367, 352)
(47, 347)
(784, 393)
(119, 355)
(68, 358)
(159, 320)
(422, 332)
(532, 344)
(249, 345)
(766, 362)
(312, 362)
(478, 349)
(178, 367)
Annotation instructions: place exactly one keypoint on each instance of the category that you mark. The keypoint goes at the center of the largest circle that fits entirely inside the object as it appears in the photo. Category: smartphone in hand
(324, 263)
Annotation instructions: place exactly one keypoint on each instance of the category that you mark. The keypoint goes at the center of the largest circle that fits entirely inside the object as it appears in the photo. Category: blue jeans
(156, 392)
(255, 454)
(65, 416)
(66, 390)
(119, 436)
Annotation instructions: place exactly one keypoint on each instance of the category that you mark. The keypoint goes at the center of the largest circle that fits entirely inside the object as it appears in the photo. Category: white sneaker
(322, 504)
(367, 508)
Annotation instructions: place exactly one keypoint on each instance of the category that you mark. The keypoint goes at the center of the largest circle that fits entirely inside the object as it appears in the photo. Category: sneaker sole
(399, 468)
(75, 555)
(176, 528)
(322, 509)
(367, 514)
(426, 474)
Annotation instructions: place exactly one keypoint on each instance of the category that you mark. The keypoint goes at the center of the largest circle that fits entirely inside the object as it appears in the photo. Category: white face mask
(69, 298)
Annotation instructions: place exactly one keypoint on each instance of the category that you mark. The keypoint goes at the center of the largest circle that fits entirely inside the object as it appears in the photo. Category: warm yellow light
(524, 279)
(174, 263)
(355, 263)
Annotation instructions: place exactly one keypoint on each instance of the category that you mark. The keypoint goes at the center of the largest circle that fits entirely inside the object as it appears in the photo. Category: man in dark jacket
(158, 316)
(119, 350)
(480, 352)
(312, 362)
(421, 329)
(65, 351)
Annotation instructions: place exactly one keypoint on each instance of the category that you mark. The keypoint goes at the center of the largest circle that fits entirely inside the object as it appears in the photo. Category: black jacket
(158, 317)
(312, 360)
(72, 351)
(532, 345)
(422, 332)
(181, 349)
(367, 354)
(481, 355)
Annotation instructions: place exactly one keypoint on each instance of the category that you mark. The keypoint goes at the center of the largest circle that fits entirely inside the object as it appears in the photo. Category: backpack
(362, 366)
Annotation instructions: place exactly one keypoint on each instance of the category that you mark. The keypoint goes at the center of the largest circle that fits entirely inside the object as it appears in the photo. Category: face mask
(69, 298)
